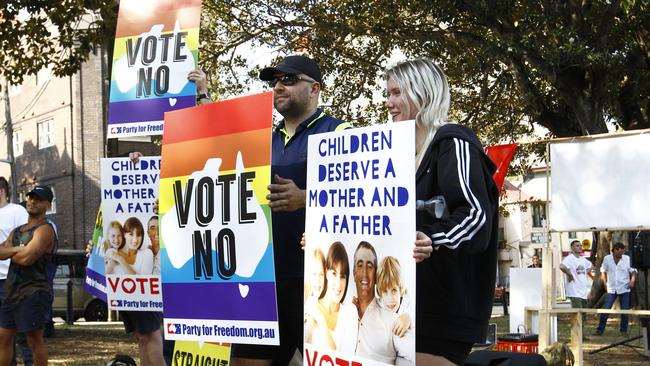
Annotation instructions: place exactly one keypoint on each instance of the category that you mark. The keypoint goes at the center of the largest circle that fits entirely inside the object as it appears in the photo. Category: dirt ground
(89, 343)
(94, 344)
(630, 354)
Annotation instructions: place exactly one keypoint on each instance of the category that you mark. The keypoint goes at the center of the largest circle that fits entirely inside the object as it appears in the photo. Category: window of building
(46, 133)
(573, 235)
(539, 214)
(18, 143)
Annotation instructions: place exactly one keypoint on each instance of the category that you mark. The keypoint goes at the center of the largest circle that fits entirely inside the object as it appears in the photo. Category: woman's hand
(121, 258)
(423, 247)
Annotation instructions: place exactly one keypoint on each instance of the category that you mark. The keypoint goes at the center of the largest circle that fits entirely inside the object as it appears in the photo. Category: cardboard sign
(217, 251)
(130, 244)
(156, 46)
(360, 234)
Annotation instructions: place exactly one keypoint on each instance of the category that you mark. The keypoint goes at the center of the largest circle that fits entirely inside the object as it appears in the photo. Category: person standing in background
(28, 290)
(576, 268)
(536, 262)
(620, 278)
(11, 216)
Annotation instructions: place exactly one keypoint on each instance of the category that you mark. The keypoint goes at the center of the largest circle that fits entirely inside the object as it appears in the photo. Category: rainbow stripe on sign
(156, 46)
(216, 240)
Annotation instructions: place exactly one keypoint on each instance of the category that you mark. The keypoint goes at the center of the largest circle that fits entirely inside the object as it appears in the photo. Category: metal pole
(69, 310)
(547, 270)
(9, 131)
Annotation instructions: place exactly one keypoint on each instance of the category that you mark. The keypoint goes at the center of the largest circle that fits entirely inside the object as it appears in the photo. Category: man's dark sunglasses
(288, 80)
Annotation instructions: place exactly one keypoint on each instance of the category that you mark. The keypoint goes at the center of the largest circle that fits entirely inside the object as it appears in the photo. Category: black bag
(518, 337)
(122, 360)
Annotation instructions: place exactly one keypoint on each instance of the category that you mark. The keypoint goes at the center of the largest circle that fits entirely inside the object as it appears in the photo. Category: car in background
(71, 267)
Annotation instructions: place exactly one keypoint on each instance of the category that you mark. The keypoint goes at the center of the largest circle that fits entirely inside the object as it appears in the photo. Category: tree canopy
(58, 34)
(569, 66)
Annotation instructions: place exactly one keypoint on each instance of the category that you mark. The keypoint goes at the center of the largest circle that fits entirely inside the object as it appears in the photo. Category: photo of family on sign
(130, 243)
(127, 252)
(358, 304)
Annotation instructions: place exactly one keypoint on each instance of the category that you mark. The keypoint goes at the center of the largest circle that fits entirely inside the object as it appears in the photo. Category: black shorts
(142, 322)
(453, 351)
(29, 314)
(290, 323)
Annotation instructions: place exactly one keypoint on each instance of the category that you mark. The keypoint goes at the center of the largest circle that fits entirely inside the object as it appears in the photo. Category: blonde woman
(455, 285)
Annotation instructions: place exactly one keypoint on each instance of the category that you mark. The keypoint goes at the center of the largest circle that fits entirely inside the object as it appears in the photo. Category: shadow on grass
(92, 343)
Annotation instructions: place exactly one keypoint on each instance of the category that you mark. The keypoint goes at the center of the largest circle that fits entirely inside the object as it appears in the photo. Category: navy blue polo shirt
(289, 160)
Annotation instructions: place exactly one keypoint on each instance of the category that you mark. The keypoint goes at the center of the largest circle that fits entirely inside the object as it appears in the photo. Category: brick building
(59, 138)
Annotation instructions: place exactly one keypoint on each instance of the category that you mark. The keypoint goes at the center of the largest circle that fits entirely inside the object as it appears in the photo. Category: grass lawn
(96, 343)
(630, 354)
(86, 344)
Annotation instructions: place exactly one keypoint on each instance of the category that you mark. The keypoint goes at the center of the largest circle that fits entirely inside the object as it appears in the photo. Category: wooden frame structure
(548, 310)
(576, 324)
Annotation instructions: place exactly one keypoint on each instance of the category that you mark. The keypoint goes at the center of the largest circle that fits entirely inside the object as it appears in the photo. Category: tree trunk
(604, 248)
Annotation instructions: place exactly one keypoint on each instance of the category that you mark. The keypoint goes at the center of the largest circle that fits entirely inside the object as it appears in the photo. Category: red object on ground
(519, 347)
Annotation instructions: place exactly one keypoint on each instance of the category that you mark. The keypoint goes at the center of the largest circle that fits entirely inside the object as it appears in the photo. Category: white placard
(600, 184)
(360, 199)
(525, 291)
(130, 243)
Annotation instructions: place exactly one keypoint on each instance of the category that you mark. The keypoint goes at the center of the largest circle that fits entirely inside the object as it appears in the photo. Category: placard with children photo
(359, 235)
(130, 245)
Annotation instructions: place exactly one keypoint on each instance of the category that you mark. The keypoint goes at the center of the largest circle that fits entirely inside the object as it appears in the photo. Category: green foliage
(569, 66)
(60, 34)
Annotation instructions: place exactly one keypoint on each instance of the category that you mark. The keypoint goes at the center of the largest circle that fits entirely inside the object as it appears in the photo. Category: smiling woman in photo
(132, 258)
(323, 316)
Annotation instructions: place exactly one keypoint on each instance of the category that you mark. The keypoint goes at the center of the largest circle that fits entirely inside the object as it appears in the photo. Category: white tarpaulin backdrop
(600, 184)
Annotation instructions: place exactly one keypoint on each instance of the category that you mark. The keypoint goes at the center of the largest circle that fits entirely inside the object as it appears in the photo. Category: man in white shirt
(11, 216)
(620, 278)
(376, 340)
(576, 268)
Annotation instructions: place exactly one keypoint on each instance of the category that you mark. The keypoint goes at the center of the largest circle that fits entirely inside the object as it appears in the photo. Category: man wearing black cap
(28, 292)
(296, 83)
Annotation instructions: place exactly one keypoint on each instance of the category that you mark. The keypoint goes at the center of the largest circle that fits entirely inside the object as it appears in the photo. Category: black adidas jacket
(455, 286)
